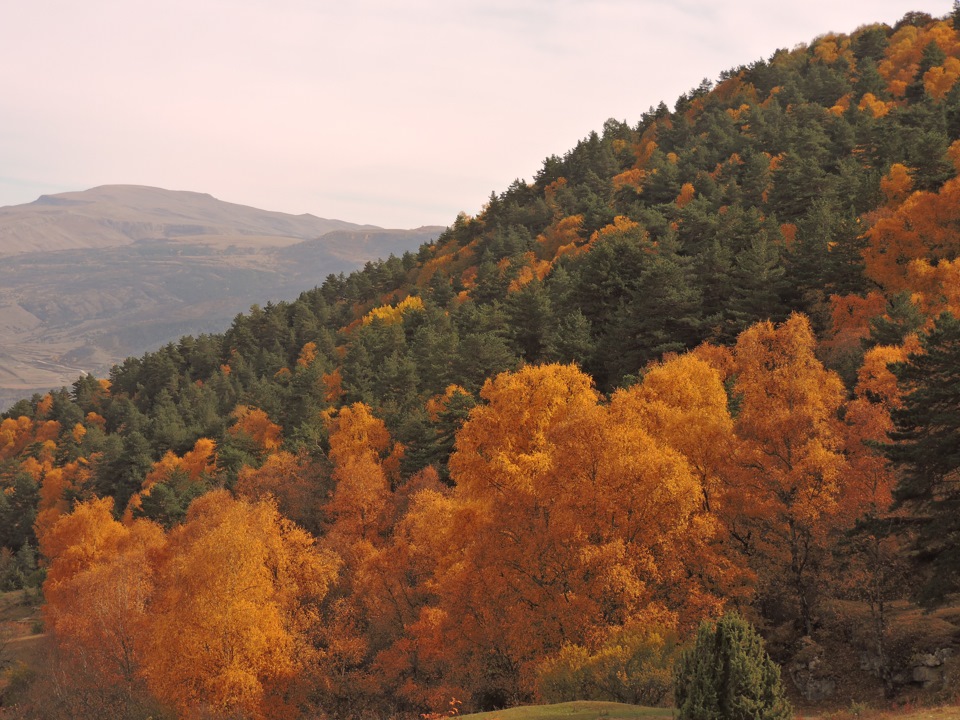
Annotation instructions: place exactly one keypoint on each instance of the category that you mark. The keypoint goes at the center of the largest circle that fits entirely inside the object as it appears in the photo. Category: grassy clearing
(579, 710)
(947, 712)
(583, 710)
(22, 641)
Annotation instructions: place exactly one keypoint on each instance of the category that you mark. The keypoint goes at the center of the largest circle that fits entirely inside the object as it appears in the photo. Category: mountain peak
(117, 215)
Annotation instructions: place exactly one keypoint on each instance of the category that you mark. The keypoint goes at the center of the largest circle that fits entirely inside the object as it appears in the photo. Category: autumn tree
(634, 665)
(682, 403)
(364, 462)
(98, 588)
(254, 425)
(173, 482)
(922, 228)
(360, 512)
(236, 606)
(559, 527)
(297, 483)
(790, 456)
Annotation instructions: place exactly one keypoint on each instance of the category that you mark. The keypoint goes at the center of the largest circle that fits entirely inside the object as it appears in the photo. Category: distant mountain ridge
(91, 277)
(116, 215)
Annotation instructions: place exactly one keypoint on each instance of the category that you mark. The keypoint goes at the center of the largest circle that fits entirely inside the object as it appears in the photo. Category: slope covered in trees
(652, 384)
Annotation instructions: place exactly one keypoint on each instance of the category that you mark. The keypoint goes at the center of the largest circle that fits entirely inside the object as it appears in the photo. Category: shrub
(728, 675)
(633, 666)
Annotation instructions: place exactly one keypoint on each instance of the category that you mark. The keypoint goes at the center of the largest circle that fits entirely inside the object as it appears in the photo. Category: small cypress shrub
(728, 675)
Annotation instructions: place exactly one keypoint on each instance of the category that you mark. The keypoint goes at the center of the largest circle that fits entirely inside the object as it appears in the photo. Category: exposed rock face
(809, 673)
(926, 669)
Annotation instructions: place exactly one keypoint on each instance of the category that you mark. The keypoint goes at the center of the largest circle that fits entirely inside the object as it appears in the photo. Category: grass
(20, 641)
(584, 710)
(577, 710)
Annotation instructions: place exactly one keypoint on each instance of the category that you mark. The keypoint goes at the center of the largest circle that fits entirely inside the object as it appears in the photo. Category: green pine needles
(728, 675)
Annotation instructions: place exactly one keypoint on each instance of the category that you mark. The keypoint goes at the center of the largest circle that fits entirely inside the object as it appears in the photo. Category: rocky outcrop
(809, 673)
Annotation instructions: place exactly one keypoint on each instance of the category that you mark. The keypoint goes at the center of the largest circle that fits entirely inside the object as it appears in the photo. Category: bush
(18, 679)
(728, 675)
(633, 666)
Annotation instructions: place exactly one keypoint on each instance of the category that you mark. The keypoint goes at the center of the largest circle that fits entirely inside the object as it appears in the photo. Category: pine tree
(932, 56)
(728, 675)
(926, 446)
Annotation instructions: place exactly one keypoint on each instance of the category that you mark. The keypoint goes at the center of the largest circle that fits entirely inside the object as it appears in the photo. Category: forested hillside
(706, 361)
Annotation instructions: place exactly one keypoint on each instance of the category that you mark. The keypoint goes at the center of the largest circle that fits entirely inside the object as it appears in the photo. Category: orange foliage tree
(563, 525)
(923, 227)
(683, 404)
(360, 513)
(297, 484)
(790, 457)
(194, 468)
(236, 606)
(98, 586)
(253, 423)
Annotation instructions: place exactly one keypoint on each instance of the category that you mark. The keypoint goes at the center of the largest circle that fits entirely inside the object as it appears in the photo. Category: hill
(92, 277)
(117, 215)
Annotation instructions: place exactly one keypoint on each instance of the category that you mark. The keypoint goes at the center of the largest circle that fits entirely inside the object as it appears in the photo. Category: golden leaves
(254, 424)
(214, 616)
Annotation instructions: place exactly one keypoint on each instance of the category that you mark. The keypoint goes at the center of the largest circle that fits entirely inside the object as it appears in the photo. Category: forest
(707, 362)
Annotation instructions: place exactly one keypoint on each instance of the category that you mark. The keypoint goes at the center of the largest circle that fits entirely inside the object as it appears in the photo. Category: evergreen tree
(932, 56)
(728, 675)
(903, 317)
(926, 446)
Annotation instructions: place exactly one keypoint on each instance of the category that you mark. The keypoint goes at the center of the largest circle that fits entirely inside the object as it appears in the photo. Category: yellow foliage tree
(790, 456)
(561, 525)
(236, 606)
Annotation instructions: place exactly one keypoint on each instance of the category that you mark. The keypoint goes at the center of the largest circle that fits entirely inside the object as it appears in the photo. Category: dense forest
(708, 361)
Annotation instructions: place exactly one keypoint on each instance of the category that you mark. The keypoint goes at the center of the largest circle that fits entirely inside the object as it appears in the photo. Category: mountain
(91, 277)
(117, 215)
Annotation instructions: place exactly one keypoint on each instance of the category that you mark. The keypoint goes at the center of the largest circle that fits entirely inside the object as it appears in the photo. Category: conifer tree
(926, 446)
(728, 675)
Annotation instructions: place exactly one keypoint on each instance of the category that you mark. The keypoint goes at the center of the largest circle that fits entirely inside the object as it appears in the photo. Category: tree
(728, 675)
(253, 425)
(634, 665)
(562, 524)
(297, 484)
(790, 455)
(98, 587)
(231, 621)
(932, 56)
(926, 447)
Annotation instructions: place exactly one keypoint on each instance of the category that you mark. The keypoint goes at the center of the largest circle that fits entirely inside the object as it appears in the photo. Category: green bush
(728, 675)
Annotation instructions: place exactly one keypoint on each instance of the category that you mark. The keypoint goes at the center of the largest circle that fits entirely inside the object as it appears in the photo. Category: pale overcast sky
(398, 114)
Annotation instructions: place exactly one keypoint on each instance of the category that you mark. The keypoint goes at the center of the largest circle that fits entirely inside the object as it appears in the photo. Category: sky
(398, 114)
